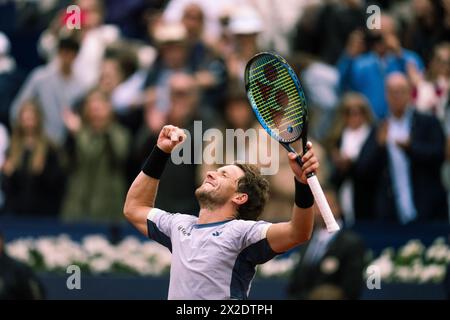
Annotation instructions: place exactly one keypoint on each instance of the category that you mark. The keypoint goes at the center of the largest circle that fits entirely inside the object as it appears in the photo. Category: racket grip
(322, 204)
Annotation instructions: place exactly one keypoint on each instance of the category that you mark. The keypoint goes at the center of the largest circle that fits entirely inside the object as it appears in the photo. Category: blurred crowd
(81, 109)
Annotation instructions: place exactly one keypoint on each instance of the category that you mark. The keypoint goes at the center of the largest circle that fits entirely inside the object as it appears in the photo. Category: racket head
(277, 97)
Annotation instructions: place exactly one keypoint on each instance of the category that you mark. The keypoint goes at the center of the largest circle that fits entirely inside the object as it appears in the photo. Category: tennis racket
(277, 98)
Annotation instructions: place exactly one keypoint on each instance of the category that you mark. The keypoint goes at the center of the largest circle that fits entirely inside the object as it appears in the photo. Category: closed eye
(224, 174)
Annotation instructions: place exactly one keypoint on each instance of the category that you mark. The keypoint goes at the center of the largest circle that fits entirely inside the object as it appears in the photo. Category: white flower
(129, 244)
(404, 273)
(385, 265)
(138, 264)
(411, 249)
(438, 251)
(100, 265)
(434, 273)
(20, 249)
(97, 245)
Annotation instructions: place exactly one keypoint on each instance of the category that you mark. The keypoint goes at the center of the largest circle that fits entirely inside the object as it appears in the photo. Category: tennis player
(214, 255)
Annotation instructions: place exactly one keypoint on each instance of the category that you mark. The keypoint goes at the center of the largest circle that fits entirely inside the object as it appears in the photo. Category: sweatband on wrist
(303, 195)
(155, 163)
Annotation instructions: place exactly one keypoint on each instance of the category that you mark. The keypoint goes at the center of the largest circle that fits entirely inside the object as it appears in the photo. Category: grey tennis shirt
(214, 261)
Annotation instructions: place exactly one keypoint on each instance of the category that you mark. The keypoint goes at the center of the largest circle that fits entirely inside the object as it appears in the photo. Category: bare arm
(142, 193)
(286, 235)
(140, 200)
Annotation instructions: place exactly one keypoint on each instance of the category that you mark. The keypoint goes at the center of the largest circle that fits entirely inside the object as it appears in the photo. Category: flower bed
(412, 263)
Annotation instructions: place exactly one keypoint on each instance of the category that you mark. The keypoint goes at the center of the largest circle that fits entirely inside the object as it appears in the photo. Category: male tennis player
(214, 255)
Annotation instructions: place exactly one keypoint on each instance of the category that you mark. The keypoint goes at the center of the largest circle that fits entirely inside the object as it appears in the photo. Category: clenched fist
(169, 137)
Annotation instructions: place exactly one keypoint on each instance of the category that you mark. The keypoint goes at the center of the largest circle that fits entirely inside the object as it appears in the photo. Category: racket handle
(322, 204)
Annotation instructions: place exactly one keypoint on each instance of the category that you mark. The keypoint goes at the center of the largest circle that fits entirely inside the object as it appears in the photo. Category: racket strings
(285, 117)
(279, 103)
(291, 94)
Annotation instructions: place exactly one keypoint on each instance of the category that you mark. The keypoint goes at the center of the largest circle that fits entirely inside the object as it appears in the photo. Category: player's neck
(211, 215)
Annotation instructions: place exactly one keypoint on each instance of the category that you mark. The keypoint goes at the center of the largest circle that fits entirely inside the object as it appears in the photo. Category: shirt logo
(184, 231)
(216, 234)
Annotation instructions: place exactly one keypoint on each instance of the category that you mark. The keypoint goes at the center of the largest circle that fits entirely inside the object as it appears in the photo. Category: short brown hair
(257, 189)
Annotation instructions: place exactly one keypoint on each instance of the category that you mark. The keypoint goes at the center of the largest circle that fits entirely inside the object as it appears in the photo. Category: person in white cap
(245, 25)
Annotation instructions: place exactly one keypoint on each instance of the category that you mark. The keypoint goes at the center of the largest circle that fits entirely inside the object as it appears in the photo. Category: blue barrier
(155, 288)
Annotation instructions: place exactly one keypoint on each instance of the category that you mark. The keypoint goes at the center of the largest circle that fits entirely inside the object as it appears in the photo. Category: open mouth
(209, 182)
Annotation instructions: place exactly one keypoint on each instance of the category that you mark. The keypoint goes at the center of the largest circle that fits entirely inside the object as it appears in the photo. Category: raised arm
(286, 235)
(142, 193)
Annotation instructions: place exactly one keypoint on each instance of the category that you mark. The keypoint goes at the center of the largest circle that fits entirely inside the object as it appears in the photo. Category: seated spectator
(55, 87)
(366, 73)
(406, 156)
(33, 178)
(331, 264)
(353, 126)
(97, 148)
(18, 281)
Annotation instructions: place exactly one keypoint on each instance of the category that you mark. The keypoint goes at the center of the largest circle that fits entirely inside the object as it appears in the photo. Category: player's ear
(240, 198)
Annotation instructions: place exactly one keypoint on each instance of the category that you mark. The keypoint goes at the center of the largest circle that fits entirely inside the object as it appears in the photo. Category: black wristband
(155, 163)
(303, 195)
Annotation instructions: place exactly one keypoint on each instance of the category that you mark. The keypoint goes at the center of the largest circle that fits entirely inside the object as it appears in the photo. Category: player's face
(219, 186)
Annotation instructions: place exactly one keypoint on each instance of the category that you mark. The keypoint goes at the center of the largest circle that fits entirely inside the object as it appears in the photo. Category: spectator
(123, 82)
(17, 280)
(428, 27)
(153, 121)
(212, 11)
(172, 58)
(408, 151)
(366, 73)
(446, 171)
(55, 86)
(321, 84)
(329, 260)
(353, 126)
(10, 79)
(334, 23)
(98, 149)
(431, 90)
(94, 38)
(184, 110)
(4, 144)
(210, 70)
(33, 178)
(245, 25)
